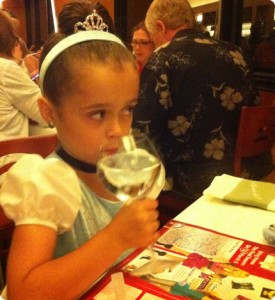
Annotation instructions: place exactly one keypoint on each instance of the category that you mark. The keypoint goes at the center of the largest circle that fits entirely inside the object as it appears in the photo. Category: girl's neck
(75, 162)
(86, 172)
(94, 183)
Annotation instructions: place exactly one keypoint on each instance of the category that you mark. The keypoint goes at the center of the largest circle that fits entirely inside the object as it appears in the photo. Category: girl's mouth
(107, 152)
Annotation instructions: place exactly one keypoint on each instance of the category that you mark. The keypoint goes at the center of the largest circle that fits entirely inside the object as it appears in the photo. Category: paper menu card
(207, 264)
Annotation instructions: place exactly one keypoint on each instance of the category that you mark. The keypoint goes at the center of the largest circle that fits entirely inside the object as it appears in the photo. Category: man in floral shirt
(191, 93)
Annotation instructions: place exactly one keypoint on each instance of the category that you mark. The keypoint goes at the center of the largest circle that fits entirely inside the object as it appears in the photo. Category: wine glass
(132, 171)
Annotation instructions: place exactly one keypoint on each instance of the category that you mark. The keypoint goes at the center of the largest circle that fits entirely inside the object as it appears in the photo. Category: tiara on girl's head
(92, 29)
(92, 22)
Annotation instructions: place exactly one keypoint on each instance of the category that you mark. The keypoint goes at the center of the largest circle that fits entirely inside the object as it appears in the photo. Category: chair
(256, 133)
(267, 97)
(10, 150)
(41, 144)
(6, 230)
(170, 205)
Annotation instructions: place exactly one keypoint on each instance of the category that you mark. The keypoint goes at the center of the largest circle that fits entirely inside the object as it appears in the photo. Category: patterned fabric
(191, 93)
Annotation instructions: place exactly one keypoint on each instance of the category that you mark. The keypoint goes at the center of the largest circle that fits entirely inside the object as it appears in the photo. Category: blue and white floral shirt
(191, 93)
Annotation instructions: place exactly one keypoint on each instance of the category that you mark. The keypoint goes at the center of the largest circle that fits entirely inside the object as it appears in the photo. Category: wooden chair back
(40, 144)
(256, 133)
(267, 97)
(43, 145)
(6, 230)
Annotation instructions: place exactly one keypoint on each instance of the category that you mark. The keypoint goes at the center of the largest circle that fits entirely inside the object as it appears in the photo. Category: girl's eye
(128, 110)
(98, 115)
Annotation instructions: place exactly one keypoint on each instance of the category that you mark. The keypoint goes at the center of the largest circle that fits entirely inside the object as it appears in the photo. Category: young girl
(69, 229)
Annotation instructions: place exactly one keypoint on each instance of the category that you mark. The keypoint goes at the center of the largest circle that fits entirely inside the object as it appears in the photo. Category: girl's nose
(115, 128)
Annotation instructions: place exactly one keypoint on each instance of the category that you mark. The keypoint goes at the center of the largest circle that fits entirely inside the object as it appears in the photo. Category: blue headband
(79, 37)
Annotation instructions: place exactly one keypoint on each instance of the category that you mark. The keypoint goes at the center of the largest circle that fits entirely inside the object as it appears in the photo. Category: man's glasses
(141, 43)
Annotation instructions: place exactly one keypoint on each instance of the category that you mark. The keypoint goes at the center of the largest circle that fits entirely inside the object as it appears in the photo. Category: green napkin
(249, 192)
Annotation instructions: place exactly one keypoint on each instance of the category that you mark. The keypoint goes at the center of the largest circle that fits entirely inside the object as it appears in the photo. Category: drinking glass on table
(131, 173)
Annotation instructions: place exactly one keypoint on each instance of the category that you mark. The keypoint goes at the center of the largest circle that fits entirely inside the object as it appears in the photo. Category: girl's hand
(136, 225)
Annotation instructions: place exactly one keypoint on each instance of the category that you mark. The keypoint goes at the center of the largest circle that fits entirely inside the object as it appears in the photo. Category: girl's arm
(34, 274)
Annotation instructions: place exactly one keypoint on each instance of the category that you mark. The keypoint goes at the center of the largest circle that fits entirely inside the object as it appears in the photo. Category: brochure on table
(191, 262)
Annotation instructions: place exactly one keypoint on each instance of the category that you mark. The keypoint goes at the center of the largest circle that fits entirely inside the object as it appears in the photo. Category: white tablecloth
(233, 219)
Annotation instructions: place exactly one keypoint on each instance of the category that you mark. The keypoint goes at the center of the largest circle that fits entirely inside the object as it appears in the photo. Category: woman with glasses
(142, 44)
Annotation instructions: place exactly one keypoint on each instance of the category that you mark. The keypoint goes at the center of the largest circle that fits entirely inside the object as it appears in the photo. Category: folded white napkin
(244, 191)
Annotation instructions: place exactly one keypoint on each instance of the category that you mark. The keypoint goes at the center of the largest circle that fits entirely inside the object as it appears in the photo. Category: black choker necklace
(74, 162)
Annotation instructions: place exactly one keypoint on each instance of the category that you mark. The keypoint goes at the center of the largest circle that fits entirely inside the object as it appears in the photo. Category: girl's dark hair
(8, 37)
(77, 11)
(63, 76)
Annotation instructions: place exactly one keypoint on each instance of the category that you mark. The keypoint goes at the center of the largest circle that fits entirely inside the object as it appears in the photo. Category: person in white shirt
(18, 93)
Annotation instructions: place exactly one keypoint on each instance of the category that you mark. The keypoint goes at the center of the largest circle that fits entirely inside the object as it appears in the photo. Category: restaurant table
(238, 220)
(236, 231)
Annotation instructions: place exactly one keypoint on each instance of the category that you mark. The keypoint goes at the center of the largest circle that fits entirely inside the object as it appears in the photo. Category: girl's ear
(46, 110)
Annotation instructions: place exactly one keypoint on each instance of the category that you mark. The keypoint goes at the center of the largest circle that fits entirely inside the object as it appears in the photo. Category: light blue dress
(94, 214)
(49, 193)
